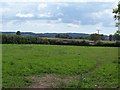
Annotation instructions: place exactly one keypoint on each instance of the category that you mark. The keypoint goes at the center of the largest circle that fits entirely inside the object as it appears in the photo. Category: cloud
(42, 6)
(73, 25)
(65, 4)
(105, 17)
(58, 0)
(58, 7)
(43, 26)
(68, 15)
(59, 20)
(99, 14)
(60, 14)
(48, 14)
(24, 15)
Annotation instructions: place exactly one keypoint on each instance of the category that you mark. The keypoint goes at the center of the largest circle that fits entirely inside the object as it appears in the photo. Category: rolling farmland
(44, 66)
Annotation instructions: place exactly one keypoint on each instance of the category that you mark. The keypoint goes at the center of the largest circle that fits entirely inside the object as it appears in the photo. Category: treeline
(90, 37)
(19, 39)
(94, 37)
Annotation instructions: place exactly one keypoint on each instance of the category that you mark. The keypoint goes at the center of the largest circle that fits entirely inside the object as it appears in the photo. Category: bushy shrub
(116, 44)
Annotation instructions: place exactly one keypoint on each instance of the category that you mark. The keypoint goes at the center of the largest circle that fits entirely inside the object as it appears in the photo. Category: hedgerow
(20, 39)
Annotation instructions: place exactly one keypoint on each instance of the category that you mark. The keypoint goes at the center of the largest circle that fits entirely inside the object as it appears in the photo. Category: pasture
(42, 66)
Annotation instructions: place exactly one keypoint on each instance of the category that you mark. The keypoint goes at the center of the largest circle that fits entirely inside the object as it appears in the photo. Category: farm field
(43, 66)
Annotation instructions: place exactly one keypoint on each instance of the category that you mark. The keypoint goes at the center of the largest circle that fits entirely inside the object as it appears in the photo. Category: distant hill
(49, 34)
(52, 35)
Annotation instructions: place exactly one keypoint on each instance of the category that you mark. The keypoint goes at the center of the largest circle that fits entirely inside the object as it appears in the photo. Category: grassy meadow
(67, 66)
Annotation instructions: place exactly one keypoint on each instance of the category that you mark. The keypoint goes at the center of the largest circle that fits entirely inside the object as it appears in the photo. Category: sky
(58, 17)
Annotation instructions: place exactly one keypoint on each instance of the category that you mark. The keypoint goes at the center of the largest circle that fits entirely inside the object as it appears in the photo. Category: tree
(18, 33)
(117, 17)
(110, 37)
(95, 37)
(102, 37)
(116, 11)
(117, 35)
(63, 36)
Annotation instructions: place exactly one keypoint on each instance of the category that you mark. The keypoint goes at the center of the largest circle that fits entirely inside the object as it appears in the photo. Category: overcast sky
(62, 17)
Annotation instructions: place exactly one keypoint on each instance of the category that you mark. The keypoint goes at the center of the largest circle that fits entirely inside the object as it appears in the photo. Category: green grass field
(71, 66)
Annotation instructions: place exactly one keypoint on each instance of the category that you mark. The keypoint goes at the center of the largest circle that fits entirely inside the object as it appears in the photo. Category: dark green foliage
(102, 37)
(18, 33)
(117, 44)
(108, 44)
(68, 42)
(117, 35)
(19, 39)
(110, 37)
(63, 36)
(79, 38)
(99, 43)
(95, 37)
(15, 39)
(117, 11)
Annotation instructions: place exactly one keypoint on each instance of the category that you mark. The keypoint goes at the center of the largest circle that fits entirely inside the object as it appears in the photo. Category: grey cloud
(68, 12)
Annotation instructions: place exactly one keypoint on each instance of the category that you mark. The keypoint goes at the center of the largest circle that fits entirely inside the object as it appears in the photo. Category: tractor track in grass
(93, 69)
(50, 80)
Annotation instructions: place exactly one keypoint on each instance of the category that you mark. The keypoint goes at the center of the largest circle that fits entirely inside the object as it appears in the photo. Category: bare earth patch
(48, 81)
(44, 82)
